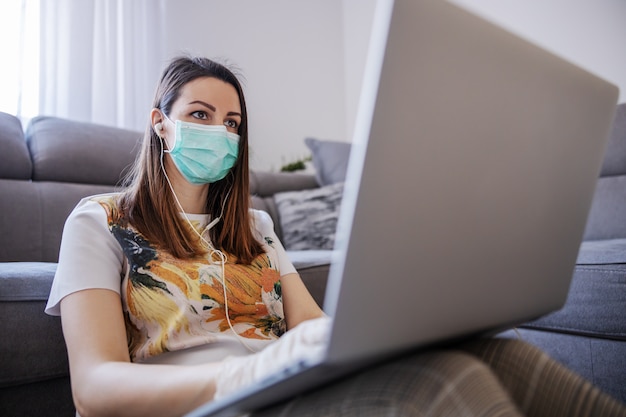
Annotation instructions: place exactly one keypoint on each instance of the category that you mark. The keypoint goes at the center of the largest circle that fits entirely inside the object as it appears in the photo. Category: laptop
(472, 171)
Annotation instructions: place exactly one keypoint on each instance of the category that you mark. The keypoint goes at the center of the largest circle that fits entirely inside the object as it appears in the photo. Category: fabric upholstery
(263, 186)
(35, 350)
(607, 218)
(308, 218)
(330, 159)
(69, 151)
(38, 211)
(615, 158)
(602, 252)
(52, 397)
(595, 306)
(16, 162)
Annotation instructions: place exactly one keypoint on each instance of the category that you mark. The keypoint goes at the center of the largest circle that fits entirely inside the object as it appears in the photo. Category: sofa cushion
(602, 252)
(15, 160)
(35, 215)
(614, 162)
(38, 399)
(35, 350)
(69, 151)
(596, 303)
(607, 218)
(26, 281)
(308, 218)
(330, 159)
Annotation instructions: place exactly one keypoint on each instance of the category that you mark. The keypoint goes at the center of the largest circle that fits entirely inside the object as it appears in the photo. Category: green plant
(296, 166)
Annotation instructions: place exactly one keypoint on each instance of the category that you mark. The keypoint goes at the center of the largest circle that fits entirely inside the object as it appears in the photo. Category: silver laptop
(471, 175)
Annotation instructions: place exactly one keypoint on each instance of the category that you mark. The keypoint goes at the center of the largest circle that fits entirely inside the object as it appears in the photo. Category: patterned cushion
(308, 218)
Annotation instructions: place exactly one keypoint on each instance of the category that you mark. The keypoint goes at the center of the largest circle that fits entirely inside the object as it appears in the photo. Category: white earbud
(158, 127)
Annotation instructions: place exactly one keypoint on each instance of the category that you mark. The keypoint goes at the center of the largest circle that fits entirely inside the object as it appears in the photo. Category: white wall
(303, 61)
(358, 16)
(291, 56)
(589, 33)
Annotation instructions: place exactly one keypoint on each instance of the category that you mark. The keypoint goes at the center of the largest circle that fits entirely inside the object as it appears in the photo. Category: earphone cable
(209, 245)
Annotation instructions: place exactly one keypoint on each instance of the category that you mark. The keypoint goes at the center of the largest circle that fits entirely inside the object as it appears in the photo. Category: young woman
(174, 292)
(177, 270)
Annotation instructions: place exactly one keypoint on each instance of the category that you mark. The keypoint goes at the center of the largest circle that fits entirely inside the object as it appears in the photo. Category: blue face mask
(203, 153)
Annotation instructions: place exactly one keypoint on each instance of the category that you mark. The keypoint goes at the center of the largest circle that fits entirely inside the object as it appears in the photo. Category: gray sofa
(45, 172)
(589, 333)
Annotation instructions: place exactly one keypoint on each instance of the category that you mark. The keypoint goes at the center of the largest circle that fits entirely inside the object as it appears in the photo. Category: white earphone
(158, 127)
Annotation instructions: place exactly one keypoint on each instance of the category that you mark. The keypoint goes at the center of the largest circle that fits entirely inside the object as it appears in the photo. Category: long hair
(148, 203)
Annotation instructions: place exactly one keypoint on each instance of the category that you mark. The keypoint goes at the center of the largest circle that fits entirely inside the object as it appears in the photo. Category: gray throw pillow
(330, 159)
(308, 218)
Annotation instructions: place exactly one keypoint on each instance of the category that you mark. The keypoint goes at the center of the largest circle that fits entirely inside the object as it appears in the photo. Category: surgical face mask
(203, 154)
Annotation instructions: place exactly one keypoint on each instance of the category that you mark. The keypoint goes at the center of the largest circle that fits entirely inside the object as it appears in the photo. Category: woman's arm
(105, 382)
(298, 303)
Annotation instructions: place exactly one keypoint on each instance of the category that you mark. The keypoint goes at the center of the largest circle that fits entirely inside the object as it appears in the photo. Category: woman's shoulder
(96, 206)
(98, 199)
(262, 221)
(261, 217)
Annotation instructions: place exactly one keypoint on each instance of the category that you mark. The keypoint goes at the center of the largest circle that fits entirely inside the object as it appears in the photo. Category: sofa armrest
(34, 380)
(33, 348)
(265, 184)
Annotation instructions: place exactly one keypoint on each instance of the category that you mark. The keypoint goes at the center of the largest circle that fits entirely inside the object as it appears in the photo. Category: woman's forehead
(210, 90)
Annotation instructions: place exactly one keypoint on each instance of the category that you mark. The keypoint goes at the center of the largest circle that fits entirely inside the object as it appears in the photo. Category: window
(19, 71)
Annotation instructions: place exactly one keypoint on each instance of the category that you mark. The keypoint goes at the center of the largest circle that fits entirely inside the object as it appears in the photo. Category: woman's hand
(307, 341)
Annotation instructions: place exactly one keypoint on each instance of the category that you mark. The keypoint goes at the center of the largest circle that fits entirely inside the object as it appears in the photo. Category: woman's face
(208, 101)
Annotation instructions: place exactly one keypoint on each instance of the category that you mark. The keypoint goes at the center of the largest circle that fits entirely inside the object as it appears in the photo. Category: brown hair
(148, 203)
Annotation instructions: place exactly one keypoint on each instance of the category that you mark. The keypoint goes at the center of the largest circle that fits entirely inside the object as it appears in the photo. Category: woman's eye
(231, 123)
(200, 115)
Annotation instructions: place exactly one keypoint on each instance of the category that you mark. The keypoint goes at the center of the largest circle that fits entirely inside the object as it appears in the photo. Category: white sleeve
(89, 258)
(271, 243)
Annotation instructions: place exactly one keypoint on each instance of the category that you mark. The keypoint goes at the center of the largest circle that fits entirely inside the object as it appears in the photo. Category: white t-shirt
(174, 309)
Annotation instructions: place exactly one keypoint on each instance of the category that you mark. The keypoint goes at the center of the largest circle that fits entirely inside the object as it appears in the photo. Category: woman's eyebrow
(212, 107)
(207, 105)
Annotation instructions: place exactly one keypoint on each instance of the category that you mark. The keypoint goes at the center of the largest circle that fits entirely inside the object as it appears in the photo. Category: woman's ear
(156, 120)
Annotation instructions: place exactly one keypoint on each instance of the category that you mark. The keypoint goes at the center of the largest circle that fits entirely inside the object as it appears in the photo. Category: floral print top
(172, 304)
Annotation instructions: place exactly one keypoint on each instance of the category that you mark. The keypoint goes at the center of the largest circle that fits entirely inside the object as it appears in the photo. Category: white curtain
(101, 59)
(19, 58)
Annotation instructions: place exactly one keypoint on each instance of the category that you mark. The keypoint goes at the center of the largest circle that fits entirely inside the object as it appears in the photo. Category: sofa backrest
(607, 219)
(45, 173)
(76, 152)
